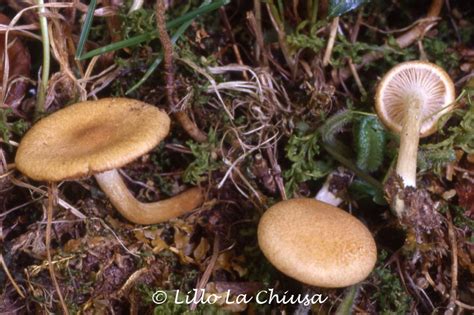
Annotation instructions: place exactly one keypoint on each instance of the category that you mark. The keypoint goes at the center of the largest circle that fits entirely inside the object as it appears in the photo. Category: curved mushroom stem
(409, 139)
(135, 211)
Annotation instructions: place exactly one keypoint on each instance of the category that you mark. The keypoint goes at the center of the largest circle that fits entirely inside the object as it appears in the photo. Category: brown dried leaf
(465, 190)
(201, 250)
(19, 66)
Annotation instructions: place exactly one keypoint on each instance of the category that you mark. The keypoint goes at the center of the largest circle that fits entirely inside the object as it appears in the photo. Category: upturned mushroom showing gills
(409, 100)
(96, 138)
(316, 243)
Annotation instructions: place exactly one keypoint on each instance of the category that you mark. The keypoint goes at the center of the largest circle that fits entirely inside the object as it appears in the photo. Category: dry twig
(188, 125)
(454, 265)
(332, 39)
(403, 40)
(52, 193)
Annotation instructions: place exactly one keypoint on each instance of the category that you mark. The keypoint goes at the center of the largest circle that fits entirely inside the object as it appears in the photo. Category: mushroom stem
(336, 181)
(409, 139)
(327, 196)
(135, 211)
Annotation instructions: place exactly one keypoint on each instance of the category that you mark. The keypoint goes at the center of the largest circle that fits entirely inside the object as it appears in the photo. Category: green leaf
(360, 189)
(151, 35)
(86, 28)
(335, 124)
(158, 60)
(345, 308)
(339, 7)
(370, 139)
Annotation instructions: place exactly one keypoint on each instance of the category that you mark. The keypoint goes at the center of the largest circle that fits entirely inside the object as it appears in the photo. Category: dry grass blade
(52, 193)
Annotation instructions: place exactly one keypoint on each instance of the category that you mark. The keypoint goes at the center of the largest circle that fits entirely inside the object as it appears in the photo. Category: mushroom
(409, 100)
(96, 138)
(316, 243)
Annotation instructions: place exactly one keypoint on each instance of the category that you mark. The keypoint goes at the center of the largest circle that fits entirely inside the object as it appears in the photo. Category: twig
(276, 171)
(279, 27)
(331, 40)
(52, 193)
(353, 39)
(464, 305)
(9, 276)
(403, 40)
(235, 48)
(356, 28)
(355, 74)
(207, 273)
(61, 202)
(455, 27)
(454, 265)
(256, 22)
(136, 5)
(46, 59)
(188, 125)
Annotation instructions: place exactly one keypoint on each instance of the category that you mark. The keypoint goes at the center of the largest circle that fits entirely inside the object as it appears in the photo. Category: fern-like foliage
(302, 151)
(370, 139)
(434, 156)
(465, 132)
(8, 129)
(205, 161)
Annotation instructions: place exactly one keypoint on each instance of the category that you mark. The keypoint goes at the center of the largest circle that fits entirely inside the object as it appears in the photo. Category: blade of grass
(158, 60)
(151, 35)
(85, 29)
(45, 68)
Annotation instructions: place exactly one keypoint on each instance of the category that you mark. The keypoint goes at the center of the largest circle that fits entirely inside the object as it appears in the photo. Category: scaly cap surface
(316, 243)
(90, 137)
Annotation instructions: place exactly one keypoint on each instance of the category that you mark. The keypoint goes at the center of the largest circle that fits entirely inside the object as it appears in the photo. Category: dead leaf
(201, 250)
(19, 66)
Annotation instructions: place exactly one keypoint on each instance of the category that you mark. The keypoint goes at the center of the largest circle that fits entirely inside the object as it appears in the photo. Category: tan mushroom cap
(420, 79)
(316, 243)
(90, 137)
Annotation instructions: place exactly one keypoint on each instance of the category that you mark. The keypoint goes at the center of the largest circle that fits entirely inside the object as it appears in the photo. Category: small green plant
(391, 297)
(205, 159)
(439, 51)
(334, 125)
(137, 22)
(8, 129)
(343, 48)
(459, 217)
(339, 151)
(434, 156)
(302, 151)
(370, 140)
(299, 39)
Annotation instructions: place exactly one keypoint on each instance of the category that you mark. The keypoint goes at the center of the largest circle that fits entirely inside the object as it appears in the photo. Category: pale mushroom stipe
(316, 243)
(409, 100)
(96, 138)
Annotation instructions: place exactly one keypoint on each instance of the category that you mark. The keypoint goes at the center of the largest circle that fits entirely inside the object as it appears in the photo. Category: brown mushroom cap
(316, 243)
(423, 80)
(90, 137)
